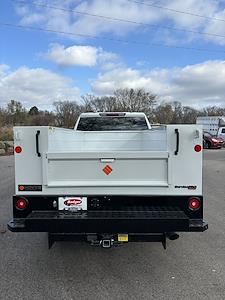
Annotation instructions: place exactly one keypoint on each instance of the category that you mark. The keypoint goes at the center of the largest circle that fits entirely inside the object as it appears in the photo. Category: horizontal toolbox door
(140, 168)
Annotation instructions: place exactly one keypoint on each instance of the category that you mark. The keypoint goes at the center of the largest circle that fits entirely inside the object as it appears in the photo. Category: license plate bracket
(72, 203)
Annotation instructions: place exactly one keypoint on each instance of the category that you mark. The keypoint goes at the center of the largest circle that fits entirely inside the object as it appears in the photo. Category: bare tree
(15, 113)
(87, 101)
(96, 104)
(66, 113)
(107, 103)
(213, 111)
(189, 115)
(122, 100)
(163, 113)
(2, 117)
(136, 100)
(43, 118)
(177, 113)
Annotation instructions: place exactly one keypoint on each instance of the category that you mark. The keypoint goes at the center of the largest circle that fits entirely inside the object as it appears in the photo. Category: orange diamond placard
(107, 170)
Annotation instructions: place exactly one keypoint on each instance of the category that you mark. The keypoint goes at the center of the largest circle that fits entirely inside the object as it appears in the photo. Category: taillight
(21, 203)
(194, 203)
(198, 148)
(18, 149)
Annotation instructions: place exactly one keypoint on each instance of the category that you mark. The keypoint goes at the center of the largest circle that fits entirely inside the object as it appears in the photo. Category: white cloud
(38, 86)
(206, 8)
(78, 55)
(3, 69)
(72, 56)
(120, 9)
(122, 78)
(105, 57)
(217, 27)
(71, 21)
(195, 85)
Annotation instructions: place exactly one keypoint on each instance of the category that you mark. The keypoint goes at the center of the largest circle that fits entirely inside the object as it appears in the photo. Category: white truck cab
(112, 180)
(221, 132)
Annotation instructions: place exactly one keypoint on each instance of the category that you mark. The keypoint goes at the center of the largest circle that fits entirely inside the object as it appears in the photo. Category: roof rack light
(112, 114)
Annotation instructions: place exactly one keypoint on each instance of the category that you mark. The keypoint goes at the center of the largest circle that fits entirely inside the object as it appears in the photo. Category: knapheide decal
(71, 202)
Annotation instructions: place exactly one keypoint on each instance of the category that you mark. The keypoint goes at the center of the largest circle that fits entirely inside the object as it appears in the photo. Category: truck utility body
(108, 187)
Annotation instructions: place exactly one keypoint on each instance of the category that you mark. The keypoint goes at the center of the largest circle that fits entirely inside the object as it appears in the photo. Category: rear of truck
(108, 187)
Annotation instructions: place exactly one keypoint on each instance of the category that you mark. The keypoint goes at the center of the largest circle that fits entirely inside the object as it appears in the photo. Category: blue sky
(38, 67)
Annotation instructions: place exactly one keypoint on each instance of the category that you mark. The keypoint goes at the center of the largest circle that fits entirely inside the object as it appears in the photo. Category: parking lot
(192, 267)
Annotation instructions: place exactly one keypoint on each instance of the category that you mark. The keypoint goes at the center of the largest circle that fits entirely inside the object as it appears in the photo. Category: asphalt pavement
(192, 267)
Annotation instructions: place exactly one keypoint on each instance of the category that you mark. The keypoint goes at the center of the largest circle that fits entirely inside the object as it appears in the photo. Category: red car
(210, 141)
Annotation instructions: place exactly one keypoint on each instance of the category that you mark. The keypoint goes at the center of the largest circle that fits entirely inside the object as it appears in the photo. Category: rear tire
(207, 145)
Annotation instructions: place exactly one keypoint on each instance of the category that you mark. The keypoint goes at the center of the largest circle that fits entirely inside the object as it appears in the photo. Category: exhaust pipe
(172, 236)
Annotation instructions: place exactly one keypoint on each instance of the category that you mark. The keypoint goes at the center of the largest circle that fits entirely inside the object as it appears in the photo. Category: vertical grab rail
(37, 143)
(177, 141)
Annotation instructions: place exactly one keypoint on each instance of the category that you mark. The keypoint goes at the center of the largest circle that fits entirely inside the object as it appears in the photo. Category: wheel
(207, 145)
(203, 144)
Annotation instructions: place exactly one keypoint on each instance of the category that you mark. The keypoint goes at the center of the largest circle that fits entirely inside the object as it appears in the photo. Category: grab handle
(37, 143)
(177, 141)
(107, 160)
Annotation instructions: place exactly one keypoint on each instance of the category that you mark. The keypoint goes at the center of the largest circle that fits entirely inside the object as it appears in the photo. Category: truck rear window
(112, 123)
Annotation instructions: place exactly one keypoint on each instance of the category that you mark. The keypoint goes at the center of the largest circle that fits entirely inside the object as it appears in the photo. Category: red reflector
(18, 149)
(198, 148)
(21, 203)
(21, 188)
(194, 203)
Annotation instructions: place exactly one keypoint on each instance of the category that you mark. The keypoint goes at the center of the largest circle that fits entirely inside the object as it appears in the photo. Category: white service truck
(112, 180)
(215, 125)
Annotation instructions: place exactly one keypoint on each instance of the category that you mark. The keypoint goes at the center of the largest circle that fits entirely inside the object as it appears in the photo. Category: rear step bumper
(87, 222)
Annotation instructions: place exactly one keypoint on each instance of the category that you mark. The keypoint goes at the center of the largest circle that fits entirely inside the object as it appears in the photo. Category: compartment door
(140, 168)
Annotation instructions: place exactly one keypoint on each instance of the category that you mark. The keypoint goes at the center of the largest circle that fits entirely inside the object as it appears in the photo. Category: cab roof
(112, 114)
